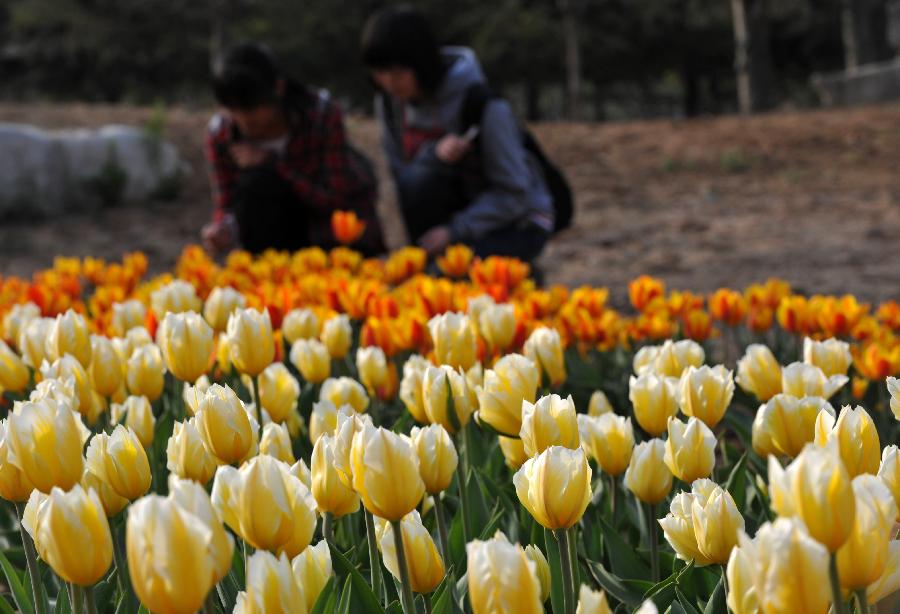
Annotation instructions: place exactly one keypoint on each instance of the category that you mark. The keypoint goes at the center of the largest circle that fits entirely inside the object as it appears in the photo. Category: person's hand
(435, 241)
(451, 148)
(247, 156)
(217, 236)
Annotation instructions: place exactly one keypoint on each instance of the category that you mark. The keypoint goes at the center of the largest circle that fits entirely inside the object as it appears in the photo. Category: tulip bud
(889, 582)
(271, 587)
(112, 502)
(426, 569)
(454, 340)
(372, 367)
(497, 324)
(186, 343)
(312, 570)
(14, 484)
(831, 356)
(349, 423)
(803, 380)
(331, 494)
(119, 459)
(106, 368)
(599, 404)
(785, 424)
(344, 391)
(16, 319)
(45, 440)
(502, 578)
(555, 486)
(678, 526)
(266, 505)
(193, 498)
(705, 393)
(324, 419)
(127, 315)
(220, 304)
(655, 400)
(177, 296)
(33, 341)
(438, 384)
(856, 438)
(716, 521)
(250, 341)
(71, 534)
(889, 471)
(864, 556)
(300, 324)
(437, 457)
(69, 334)
(544, 348)
(542, 567)
(138, 416)
(690, 450)
(337, 335)
(276, 442)
(549, 422)
(513, 379)
(58, 390)
(513, 451)
(742, 598)
(172, 559)
(592, 602)
(648, 477)
(186, 455)
(278, 391)
(193, 395)
(759, 373)
(609, 440)
(14, 374)
(385, 472)
(893, 386)
(145, 372)
(411, 387)
(224, 425)
(312, 360)
(670, 359)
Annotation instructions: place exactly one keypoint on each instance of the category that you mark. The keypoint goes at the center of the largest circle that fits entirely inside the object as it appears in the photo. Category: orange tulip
(347, 228)
(728, 306)
(643, 290)
(456, 261)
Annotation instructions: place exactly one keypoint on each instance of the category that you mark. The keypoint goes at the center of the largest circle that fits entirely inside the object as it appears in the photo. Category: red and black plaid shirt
(321, 167)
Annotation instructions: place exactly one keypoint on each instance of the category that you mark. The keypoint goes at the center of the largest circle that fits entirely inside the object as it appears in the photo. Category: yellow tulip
(893, 386)
(112, 502)
(301, 472)
(15, 320)
(331, 494)
(453, 337)
(647, 476)
(32, 341)
(312, 570)
(224, 425)
(705, 393)
(171, 560)
(609, 440)
(371, 364)
(106, 368)
(271, 587)
(337, 335)
(889, 582)
(476, 305)
(690, 450)
(177, 296)
(864, 556)
(266, 505)
(145, 372)
(513, 379)
(497, 324)
(344, 391)
(592, 602)
(411, 387)
(127, 315)
(426, 569)
(71, 533)
(220, 304)
(549, 422)
(138, 416)
(59, 390)
(300, 324)
(45, 440)
(555, 486)
(438, 383)
(716, 521)
(669, 359)
(250, 341)
(513, 451)
(542, 567)
(599, 404)
(65, 368)
(312, 360)
(14, 484)
(324, 417)
(69, 334)
(385, 472)
(119, 459)
(759, 373)
(276, 442)
(741, 598)
(856, 438)
(186, 455)
(192, 395)
(192, 497)
(831, 356)
(785, 424)
(888, 471)
(278, 391)
(544, 348)
(655, 400)
(437, 457)
(678, 525)
(186, 343)
(803, 380)
(14, 374)
(502, 578)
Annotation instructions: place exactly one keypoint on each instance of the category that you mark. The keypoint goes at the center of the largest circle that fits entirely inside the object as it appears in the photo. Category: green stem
(259, 408)
(328, 528)
(613, 497)
(409, 605)
(461, 472)
(837, 599)
(565, 559)
(75, 594)
(89, 598)
(442, 529)
(652, 529)
(725, 578)
(572, 533)
(374, 564)
(122, 578)
(209, 606)
(863, 600)
(31, 560)
(247, 552)
(429, 608)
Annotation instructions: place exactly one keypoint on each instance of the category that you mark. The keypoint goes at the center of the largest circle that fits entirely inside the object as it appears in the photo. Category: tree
(752, 61)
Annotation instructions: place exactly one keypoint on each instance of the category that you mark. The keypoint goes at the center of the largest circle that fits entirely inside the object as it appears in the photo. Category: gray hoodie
(516, 191)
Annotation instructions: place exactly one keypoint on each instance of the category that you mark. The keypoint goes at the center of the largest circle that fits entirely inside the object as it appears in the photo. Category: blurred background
(708, 142)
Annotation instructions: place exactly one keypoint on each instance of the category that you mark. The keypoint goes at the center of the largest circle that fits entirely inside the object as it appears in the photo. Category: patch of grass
(734, 161)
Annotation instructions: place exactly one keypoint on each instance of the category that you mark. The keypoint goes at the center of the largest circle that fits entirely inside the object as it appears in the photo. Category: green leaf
(737, 481)
(20, 594)
(686, 605)
(325, 600)
(344, 605)
(363, 598)
(551, 548)
(394, 608)
(228, 590)
(5, 608)
(623, 557)
(613, 585)
(62, 601)
(716, 601)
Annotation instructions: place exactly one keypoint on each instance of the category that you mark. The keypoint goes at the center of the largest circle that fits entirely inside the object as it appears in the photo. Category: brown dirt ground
(813, 197)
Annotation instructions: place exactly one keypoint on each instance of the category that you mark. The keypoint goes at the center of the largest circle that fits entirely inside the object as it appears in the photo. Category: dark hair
(245, 76)
(401, 36)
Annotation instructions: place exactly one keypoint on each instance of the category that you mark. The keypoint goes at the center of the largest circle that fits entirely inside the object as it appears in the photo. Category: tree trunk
(572, 57)
(849, 20)
(752, 59)
(864, 32)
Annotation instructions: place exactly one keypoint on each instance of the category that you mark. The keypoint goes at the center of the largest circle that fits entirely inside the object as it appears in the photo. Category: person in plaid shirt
(279, 160)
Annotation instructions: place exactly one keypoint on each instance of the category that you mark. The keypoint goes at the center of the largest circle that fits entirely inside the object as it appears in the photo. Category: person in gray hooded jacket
(477, 184)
